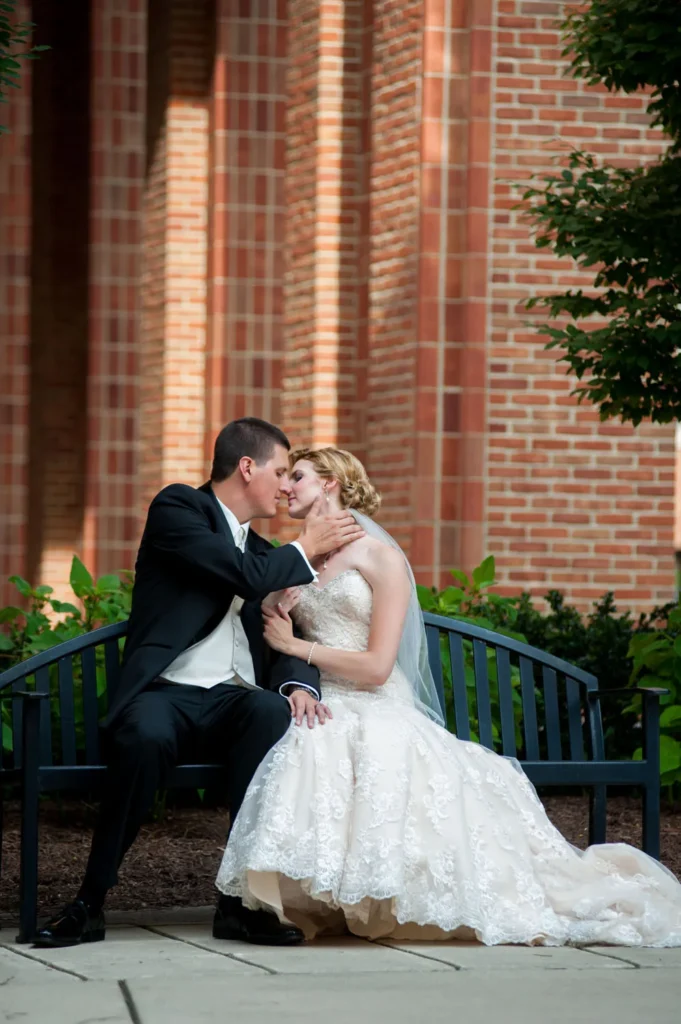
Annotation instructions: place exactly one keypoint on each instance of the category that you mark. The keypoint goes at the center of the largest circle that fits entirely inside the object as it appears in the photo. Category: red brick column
(326, 229)
(59, 292)
(15, 234)
(172, 367)
(118, 103)
(434, 403)
(574, 504)
(246, 214)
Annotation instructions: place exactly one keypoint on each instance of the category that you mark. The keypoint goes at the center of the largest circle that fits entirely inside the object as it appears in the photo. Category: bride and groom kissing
(303, 669)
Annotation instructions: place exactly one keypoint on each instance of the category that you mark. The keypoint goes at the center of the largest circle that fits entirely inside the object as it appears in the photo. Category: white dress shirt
(224, 655)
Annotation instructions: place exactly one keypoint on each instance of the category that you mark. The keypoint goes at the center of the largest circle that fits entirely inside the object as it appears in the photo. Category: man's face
(268, 483)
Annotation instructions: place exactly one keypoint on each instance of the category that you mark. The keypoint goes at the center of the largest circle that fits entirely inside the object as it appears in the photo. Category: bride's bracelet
(309, 657)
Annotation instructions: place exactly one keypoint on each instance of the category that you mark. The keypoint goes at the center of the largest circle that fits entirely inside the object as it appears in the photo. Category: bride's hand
(285, 599)
(278, 629)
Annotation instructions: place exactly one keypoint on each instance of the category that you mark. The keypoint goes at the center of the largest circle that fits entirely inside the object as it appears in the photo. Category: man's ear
(246, 466)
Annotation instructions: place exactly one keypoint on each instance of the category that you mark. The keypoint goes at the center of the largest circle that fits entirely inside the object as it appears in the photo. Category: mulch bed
(174, 861)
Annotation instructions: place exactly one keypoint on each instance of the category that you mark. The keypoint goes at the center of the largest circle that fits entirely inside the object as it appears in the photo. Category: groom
(198, 683)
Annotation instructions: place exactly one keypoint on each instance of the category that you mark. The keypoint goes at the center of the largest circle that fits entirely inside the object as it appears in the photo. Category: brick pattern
(397, 40)
(453, 287)
(174, 289)
(246, 213)
(327, 236)
(573, 504)
(15, 238)
(118, 104)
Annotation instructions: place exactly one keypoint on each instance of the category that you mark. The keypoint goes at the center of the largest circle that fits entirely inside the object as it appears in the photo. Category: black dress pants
(166, 725)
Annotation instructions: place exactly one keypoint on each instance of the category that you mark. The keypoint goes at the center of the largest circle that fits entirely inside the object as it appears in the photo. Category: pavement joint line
(129, 1001)
(609, 956)
(413, 952)
(45, 963)
(204, 949)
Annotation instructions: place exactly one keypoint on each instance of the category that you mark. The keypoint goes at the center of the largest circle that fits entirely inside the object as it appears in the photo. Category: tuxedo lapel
(222, 524)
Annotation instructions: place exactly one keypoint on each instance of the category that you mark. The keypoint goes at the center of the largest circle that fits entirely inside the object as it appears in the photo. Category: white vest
(224, 655)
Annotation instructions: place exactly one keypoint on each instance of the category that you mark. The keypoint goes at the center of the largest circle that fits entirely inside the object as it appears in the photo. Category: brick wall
(175, 217)
(303, 211)
(15, 236)
(117, 112)
(572, 503)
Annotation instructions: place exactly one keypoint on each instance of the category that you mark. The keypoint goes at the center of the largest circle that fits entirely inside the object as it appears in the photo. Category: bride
(382, 822)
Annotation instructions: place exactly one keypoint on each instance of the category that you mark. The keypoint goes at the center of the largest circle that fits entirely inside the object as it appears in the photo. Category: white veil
(412, 656)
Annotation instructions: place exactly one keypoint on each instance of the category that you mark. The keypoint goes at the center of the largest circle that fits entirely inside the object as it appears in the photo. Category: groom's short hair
(248, 436)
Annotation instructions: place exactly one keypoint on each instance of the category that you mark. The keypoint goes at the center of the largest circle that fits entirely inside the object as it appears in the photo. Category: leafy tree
(623, 222)
(14, 37)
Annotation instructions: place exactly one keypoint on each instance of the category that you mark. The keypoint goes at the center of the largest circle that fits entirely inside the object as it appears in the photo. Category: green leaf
(63, 607)
(80, 579)
(43, 590)
(7, 738)
(485, 574)
(9, 613)
(5, 643)
(108, 584)
(461, 576)
(670, 754)
(671, 716)
(426, 598)
(22, 585)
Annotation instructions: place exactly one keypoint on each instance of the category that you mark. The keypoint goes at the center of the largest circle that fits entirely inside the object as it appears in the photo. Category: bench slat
(435, 659)
(552, 714)
(67, 710)
(18, 723)
(42, 685)
(503, 658)
(461, 716)
(574, 710)
(112, 667)
(530, 730)
(90, 706)
(482, 694)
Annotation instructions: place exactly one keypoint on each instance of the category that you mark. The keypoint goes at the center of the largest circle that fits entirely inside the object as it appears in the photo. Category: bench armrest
(25, 695)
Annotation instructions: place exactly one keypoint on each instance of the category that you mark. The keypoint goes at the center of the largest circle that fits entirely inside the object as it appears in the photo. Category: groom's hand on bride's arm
(322, 533)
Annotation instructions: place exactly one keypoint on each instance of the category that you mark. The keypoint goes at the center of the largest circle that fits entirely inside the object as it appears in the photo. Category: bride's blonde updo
(355, 488)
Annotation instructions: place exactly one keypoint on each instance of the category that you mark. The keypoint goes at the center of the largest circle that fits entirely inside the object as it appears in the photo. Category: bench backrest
(508, 696)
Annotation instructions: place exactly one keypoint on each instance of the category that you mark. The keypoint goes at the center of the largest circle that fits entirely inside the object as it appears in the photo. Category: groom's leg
(151, 737)
(238, 728)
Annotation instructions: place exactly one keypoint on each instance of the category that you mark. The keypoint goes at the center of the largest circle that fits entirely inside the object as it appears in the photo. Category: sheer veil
(412, 656)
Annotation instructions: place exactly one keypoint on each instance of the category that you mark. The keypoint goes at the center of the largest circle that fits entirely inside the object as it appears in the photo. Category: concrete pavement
(165, 968)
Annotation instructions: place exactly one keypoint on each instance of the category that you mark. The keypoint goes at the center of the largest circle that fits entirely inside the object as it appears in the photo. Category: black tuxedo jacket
(188, 570)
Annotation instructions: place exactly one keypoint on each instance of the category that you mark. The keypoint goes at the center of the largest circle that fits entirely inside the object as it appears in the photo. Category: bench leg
(597, 814)
(651, 819)
(30, 793)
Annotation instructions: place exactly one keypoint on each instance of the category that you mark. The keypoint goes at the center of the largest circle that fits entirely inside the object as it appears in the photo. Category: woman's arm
(386, 572)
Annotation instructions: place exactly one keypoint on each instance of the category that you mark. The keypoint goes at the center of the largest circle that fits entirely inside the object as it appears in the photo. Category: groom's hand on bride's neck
(323, 532)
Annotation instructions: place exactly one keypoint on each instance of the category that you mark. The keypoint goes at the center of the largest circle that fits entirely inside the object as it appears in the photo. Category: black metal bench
(511, 697)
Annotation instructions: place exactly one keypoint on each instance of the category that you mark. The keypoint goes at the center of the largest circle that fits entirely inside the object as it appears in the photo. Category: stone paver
(137, 953)
(18, 969)
(326, 956)
(79, 1003)
(473, 956)
(174, 972)
(516, 997)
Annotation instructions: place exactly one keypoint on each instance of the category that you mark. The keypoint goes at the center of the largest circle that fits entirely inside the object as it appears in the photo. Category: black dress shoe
(75, 924)
(234, 921)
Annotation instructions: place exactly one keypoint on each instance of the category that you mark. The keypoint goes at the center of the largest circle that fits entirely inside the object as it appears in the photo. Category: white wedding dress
(384, 823)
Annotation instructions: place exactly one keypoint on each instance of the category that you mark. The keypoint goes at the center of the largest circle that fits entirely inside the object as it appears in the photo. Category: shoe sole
(97, 935)
(264, 940)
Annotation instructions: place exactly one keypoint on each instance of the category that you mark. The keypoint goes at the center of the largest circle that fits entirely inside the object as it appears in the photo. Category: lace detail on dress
(383, 821)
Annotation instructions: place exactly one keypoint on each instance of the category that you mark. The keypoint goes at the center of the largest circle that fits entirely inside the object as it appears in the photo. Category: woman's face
(305, 487)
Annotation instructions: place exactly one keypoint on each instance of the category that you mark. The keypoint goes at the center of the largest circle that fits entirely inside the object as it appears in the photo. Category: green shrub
(28, 630)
